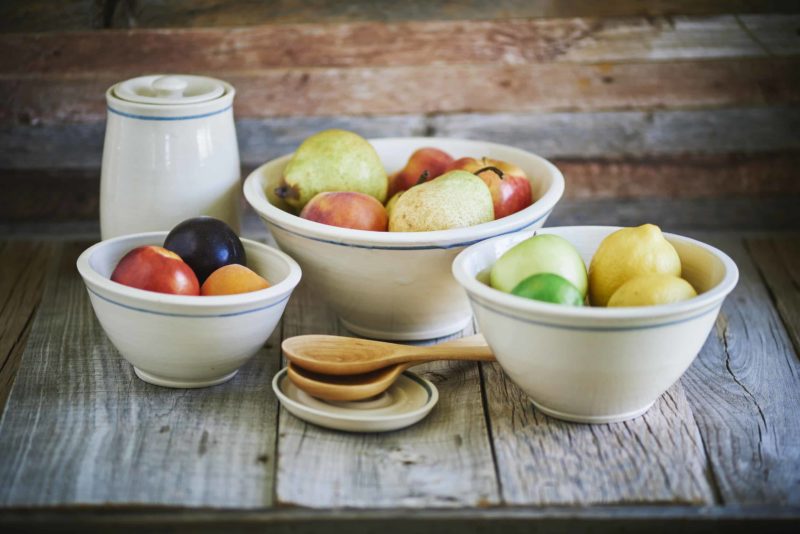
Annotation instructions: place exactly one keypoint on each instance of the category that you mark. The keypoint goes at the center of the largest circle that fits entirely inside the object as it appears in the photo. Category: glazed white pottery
(406, 402)
(170, 153)
(186, 341)
(595, 365)
(396, 285)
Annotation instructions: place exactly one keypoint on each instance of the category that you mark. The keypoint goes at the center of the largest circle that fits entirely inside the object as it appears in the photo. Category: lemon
(549, 287)
(652, 289)
(626, 254)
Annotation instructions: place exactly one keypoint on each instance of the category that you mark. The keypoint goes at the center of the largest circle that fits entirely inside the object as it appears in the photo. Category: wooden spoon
(360, 386)
(337, 355)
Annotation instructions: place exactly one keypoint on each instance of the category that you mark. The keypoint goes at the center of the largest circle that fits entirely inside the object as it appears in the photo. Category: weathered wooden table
(85, 444)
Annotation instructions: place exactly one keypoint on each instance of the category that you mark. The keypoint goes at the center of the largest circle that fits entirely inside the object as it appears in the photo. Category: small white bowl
(186, 341)
(595, 365)
(397, 285)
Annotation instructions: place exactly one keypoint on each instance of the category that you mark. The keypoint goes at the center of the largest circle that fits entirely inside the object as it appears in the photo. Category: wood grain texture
(154, 13)
(761, 137)
(432, 89)
(777, 259)
(655, 519)
(22, 280)
(444, 460)
(543, 461)
(377, 44)
(79, 427)
(744, 389)
(746, 213)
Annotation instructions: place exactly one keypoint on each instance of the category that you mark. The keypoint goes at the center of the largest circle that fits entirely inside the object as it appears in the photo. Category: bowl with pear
(595, 344)
(375, 224)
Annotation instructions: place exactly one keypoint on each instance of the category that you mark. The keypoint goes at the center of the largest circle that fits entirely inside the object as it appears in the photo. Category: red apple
(426, 163)
(347, 209)
(510, 187)
(156, 269)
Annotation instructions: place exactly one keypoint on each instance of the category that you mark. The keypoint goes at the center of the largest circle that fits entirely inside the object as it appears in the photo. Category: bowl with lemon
(594, 323)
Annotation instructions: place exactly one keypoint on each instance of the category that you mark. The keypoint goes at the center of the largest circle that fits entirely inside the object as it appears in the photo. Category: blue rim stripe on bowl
(411, 247)
(151, 118)
(477, 302)
(198, 316)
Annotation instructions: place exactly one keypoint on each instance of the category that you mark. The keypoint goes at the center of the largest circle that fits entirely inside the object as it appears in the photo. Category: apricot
(347, 209)
(232, 279)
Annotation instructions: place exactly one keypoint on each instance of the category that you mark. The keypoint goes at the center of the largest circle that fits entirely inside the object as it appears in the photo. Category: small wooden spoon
(365, 385)
(337, 355)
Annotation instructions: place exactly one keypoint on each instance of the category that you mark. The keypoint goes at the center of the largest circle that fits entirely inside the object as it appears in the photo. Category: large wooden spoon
(365, 385)
(337, 355)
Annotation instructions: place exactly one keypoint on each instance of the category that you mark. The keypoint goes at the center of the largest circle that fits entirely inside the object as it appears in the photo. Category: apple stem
(495, 170)
(423, 177)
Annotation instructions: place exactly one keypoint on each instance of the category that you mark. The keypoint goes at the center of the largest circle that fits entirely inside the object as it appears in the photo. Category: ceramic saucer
(407, 401)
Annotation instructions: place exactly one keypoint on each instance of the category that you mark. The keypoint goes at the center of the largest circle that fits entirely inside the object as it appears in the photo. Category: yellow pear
(626, 254)
(456, 199)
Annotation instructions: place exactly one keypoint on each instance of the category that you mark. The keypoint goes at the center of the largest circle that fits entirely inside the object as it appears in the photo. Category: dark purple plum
(205, 244)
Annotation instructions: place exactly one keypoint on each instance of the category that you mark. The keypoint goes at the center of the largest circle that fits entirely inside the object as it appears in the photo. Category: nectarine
(347, 209)
(425, 164)
(156, 269)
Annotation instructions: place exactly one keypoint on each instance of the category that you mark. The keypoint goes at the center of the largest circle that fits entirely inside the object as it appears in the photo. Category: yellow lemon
(626, 254)
(652, 289)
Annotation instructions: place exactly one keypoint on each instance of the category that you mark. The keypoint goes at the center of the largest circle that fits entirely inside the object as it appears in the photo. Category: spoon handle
(473, 348)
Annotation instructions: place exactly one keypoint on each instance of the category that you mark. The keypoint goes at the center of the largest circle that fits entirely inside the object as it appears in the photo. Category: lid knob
(169, 86)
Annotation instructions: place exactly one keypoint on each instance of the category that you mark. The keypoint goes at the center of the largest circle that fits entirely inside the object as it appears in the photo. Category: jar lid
(171, 89)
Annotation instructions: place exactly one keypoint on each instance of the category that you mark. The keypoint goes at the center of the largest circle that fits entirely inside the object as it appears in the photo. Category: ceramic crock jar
(170, 154)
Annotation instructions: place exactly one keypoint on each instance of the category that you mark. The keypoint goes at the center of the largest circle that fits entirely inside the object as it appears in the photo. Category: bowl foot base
(592, 419)
(172, 383)
(414, 335)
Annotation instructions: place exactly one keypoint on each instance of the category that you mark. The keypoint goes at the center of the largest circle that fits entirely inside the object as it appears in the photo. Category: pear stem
(284, 191)
(495, 170)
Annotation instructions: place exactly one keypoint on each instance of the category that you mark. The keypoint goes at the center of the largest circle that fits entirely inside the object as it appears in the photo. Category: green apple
(544, 253)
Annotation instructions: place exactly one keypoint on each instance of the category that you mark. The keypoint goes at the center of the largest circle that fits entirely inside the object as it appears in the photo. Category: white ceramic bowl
(595, 365)
(397, 285)
(184, 341)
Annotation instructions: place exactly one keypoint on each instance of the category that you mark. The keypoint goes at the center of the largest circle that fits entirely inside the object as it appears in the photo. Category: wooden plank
(542, 461)
(79, 427)
(153, 13)
(762, 213)
(741, 213)
(41, 15)
(22, 278)
(537, 87)
(776, 35)
(777, 259)
(444, 460)
(744, 389)
(71, 195)
(379, 44)
(592, 519)
(669, 138)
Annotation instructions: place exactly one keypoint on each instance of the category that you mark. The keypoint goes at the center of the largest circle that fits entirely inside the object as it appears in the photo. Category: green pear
(543, 253)
(332, 160)
(453, 200)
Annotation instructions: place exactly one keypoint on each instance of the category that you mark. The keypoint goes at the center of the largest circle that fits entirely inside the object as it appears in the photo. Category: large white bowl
(595, 365)
(397, 285)
(186, 341)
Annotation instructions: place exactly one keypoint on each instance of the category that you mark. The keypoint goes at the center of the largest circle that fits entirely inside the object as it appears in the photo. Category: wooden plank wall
(643, 105)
